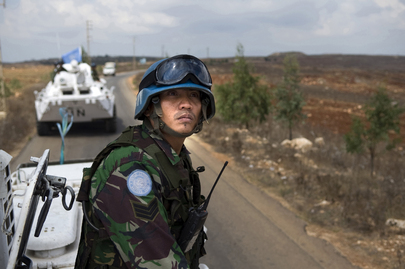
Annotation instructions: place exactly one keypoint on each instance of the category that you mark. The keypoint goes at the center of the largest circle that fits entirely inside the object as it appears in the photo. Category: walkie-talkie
(195, 221)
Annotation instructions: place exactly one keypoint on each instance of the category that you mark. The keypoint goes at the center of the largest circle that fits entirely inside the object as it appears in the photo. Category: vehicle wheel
(111, 124)
(43, 128)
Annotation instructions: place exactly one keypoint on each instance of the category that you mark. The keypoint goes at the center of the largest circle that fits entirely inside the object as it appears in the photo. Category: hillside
(342, 81)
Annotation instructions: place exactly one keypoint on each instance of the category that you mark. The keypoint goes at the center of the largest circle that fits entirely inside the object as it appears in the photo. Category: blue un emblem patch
(139, 183)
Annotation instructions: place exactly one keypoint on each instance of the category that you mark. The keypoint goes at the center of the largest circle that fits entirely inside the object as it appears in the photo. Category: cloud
(33, 28)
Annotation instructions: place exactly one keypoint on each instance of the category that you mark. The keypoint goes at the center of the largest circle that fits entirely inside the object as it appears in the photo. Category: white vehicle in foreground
(74, 89)
(109, 69)
(48, 237)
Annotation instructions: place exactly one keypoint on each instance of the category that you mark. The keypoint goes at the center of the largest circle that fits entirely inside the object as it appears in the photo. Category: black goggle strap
(147, 81)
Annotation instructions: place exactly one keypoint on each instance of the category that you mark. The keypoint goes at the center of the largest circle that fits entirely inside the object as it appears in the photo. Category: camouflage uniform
(138, 231)
(94, 74)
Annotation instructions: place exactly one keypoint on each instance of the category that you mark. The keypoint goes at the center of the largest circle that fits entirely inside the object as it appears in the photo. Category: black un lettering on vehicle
(80, 112)
(76, 111)
(70, 110)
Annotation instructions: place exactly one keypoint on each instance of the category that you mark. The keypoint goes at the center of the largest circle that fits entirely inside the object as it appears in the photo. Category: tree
(381, 116)
(85, 56)
(244, 99)
(289, 99)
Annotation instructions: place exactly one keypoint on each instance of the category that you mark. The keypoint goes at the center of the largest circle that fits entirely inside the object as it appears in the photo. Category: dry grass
(327, 187)
(28, 75)
(19, 124)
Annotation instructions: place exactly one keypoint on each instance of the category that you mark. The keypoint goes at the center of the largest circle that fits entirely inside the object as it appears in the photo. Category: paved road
(246, 228)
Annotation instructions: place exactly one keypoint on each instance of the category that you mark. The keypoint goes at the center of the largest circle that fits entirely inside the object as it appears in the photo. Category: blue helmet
(181, 71)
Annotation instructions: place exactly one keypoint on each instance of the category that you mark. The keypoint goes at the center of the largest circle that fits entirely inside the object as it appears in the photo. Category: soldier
(94, 72)
(137, 194)
(58, 67)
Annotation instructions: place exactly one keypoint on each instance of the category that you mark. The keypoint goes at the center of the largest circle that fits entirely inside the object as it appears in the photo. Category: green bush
(382, 116)
(289, 99)
(243, 100)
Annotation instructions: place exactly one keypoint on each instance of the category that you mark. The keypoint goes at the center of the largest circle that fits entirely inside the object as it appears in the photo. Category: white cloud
(226, 7)
(340, 22)
(29, 27)
(393, 4)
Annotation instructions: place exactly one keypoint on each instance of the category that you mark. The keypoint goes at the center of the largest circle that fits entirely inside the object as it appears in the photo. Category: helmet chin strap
(160, 127)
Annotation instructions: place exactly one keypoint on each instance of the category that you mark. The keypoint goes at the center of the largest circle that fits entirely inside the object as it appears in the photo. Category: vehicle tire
(111, 124)
(43, 128)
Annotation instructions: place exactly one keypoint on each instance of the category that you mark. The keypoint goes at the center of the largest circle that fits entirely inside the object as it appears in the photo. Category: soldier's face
(181, 109)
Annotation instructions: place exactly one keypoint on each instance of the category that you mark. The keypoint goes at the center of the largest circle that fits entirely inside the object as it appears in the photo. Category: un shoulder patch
(139, 183)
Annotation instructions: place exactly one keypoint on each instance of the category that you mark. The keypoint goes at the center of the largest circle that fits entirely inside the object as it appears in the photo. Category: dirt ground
(335, 88)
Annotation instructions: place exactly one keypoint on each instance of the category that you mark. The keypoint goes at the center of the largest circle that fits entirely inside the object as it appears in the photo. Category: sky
(43, 29)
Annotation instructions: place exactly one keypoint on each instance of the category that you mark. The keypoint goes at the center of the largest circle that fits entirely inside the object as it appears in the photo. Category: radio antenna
(205, 205)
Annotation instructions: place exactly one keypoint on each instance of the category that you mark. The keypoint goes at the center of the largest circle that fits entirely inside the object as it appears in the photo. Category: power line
(88, 28)
(134, 58)
(3, 108)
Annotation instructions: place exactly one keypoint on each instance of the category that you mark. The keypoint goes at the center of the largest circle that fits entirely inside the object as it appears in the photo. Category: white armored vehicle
(41, 219)
(74, 89)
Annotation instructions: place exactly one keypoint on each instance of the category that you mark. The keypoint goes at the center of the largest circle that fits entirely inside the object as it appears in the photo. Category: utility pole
(3, 107)
(88, 28)
(133, 58)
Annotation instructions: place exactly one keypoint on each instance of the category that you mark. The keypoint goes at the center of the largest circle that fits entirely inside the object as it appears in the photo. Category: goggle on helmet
(181, 71)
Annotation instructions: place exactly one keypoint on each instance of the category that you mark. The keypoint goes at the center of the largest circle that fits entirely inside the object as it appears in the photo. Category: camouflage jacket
(139, 212)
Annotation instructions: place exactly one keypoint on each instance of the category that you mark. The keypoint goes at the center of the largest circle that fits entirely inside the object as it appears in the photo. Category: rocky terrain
(324, 185)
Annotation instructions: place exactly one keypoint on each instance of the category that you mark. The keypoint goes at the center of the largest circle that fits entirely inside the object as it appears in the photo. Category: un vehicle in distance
(74, 89)
(109, 69)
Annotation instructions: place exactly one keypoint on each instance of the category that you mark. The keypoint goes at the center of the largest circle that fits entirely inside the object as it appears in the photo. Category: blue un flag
(75, 54)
